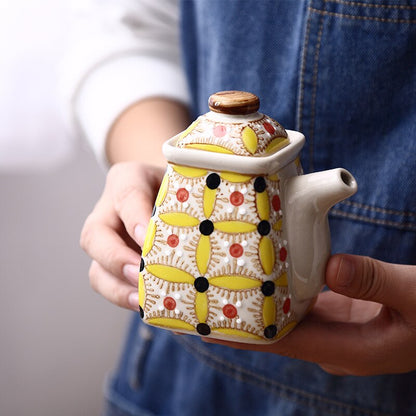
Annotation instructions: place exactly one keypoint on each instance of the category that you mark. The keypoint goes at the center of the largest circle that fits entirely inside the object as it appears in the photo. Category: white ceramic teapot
(238, 241)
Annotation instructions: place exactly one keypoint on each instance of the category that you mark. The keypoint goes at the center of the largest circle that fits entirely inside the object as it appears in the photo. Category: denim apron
(343, 73)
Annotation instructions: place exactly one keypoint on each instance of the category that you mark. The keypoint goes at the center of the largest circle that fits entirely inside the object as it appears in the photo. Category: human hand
(365, 326)
(115, 230)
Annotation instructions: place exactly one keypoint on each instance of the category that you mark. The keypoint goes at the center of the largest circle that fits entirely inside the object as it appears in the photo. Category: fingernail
(131, 273)
(140, 233)
(346, 272)
(134, 300)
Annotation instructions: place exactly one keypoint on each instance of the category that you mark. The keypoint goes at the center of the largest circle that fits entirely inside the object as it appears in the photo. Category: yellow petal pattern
(209, 147)
(189, 172)
(162, 191)
(142, 289)
(263, 206)
(171, 323)
(269, 311)
(209, 201)
(170, 273)
(236, 333)
(150, 236)
(234, 282)
(273, 177)
(267, 254)
(250, 140)
(179, 219)
(277, 226)
(281, 280)
(201, 306)
(203, 254)
(276, 144)
(286, 329)
(235, 226)
(235, 177)
(188, 130)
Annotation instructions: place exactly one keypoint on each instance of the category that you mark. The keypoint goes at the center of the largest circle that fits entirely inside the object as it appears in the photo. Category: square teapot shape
(238, 241)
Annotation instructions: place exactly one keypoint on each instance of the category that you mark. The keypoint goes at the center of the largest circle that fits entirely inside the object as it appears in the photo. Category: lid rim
(236, 163)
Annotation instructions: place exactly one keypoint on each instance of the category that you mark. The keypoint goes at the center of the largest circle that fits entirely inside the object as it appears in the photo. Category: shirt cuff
(117, 84)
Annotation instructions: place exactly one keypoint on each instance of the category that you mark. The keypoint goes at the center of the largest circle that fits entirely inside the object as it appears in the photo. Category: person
(342, 72)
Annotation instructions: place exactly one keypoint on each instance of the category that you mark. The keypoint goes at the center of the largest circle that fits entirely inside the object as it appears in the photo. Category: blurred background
(58, 339)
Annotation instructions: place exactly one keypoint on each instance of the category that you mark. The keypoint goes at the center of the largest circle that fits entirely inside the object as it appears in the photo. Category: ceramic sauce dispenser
(238, 241)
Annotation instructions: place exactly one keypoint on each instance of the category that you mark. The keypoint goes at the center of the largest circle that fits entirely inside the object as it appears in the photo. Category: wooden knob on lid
(234, 102)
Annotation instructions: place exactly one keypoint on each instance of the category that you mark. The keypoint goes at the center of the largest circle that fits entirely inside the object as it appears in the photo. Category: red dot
(268, 127)
(173, 240)
(236, 250)
(220, 130)
(169, 303)
(283, 254)
(182, 195)
(230, 311)
(237, 198)
(276, 203)
(286, 305)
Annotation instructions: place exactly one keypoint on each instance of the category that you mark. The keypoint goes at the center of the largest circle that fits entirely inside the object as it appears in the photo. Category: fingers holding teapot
(114, 231)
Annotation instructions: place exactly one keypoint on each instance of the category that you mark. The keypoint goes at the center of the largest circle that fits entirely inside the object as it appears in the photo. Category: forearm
(138, 134)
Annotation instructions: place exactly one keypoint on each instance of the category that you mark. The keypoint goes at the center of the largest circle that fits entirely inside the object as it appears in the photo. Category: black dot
(270, 331)
(201, 284)
(203, 329)
(267, 288)
(260, 184)
(264, 227)
(206, 227)
(141, 264)
(213, 181)
(154, 211)
(141, 312)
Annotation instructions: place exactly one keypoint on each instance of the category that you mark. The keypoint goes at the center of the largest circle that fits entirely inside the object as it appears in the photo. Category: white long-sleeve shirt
(121, 52)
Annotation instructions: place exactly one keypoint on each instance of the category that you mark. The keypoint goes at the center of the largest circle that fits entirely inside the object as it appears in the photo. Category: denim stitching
(243, 374)
(123, 405)
(375, 6)
(314, 93)
(381, 210)
(302, 72)
(138, 358)
(323, 13)
(357, 17)
(398, 225)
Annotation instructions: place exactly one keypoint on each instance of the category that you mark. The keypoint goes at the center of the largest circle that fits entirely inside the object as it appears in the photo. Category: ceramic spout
(308, 199)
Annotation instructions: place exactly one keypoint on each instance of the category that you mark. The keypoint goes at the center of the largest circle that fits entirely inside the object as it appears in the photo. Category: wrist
(139, 132)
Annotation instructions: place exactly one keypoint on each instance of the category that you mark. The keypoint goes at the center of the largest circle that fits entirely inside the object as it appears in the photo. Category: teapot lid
(235, 127)
(236, 137)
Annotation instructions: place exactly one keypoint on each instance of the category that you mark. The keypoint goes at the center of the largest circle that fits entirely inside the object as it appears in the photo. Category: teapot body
(238, 240)
(216, 259)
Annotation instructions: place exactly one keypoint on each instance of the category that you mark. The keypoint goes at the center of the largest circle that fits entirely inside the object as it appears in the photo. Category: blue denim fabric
(344, 73)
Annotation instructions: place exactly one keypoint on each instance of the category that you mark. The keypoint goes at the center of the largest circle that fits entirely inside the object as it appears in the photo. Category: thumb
(133, 188)
(369, 279)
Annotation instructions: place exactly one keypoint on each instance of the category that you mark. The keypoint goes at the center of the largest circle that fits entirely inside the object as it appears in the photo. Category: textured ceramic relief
(217, 260)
